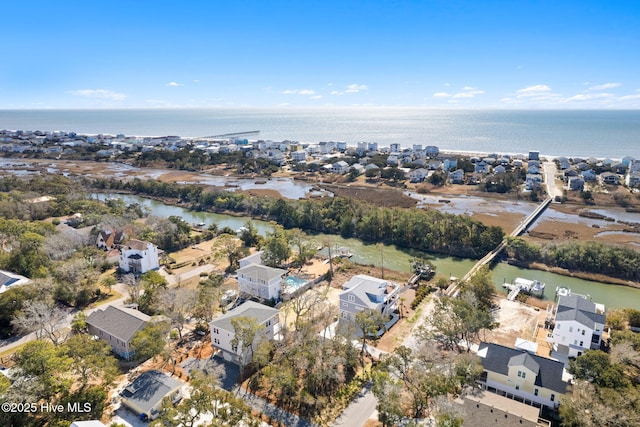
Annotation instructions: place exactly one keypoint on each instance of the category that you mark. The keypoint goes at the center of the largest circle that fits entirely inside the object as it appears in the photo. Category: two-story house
(519, 375)
(117, 325)
(138, 257)
(578, 325)
(108, 239)
(223, 331)
(261, 281)
(364, 292)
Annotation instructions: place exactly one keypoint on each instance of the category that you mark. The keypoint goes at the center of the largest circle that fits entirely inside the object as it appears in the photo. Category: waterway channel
(612, 296)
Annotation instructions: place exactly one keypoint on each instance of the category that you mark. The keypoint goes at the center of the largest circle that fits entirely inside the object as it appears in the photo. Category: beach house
(363, 292)
(522, 376)
(223, 331)
(117, 325)
(577, 326)
(138, 257)
(261, 281)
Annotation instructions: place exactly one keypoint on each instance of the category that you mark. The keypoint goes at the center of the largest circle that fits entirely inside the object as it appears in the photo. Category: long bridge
(454, 288)
(232, 135)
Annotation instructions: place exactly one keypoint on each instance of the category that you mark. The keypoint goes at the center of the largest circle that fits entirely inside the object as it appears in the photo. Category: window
(583, 332)
(268, 323)
(517, 386)
(553, 397)
(519, 374)
(351, 298)
(570, 328)
(522, 374)
(216, 341)
(535, 392)
(345, 304)
(344, 314)
(581, 343)
(216, 331)
(558, 326)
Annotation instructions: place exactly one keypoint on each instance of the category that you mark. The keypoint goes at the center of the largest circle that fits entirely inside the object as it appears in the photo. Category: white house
(363, 292)
(340, 167)
(261, 281)
(418, 175)
(299, 156)
(138, 257)
(223, 332)
(578, 325)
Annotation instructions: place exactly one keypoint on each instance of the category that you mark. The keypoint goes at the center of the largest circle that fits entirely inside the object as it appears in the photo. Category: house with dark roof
(577, 326)
(489, 409)
(144, 396)
(8, 279)
(364, 292)
(138, 257)
(261, 281)
(223, 332)
(108, 239)
(117, 325)
(522, 376)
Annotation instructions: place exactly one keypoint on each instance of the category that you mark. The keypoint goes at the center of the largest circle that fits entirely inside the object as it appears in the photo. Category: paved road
(359, 411)
(550, 178)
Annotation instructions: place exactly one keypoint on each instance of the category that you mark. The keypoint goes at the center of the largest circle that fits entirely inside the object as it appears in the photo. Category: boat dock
(529, 287)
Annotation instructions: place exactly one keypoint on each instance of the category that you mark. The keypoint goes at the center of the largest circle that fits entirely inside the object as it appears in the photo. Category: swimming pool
(294, 282)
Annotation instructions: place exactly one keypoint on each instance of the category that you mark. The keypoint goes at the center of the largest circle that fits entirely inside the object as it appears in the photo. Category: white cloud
(352, 88)
(588, 97)
(605, 86)
(316, 97)
(298, 92)
(465, 93)
(174, 84)
(630, 97)
(533, 90)
(99, 94)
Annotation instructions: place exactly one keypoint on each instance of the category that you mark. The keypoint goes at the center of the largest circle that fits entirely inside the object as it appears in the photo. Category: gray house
(145, 394)
(117, 325)
(363, 292)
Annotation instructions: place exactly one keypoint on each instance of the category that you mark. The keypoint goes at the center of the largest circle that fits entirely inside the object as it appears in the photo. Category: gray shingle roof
(261, 272)
(260, 312)
(119, 322)
(6, 280)
(149, 389)
(498, 359)
(525, 359)
(583, 311)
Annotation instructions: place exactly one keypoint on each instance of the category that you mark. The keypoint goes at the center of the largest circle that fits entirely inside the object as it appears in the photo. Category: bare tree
(133, 285)
(177, 304)
(43, 318)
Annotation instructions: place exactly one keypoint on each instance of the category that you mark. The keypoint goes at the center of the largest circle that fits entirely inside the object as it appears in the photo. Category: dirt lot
(516, 320)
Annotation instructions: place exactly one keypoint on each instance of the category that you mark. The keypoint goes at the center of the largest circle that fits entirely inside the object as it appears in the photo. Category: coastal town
(236, 326)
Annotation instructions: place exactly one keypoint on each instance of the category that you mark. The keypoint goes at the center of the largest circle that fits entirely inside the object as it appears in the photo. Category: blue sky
(271, 53)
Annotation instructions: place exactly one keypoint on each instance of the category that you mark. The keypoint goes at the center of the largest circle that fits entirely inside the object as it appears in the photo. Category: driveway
(361, 409)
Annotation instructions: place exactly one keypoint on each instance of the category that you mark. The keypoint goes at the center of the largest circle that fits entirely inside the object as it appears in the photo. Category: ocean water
(599, 133)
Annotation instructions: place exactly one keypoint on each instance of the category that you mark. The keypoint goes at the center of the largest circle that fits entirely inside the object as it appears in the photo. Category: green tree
(370, 323)
(92, 359)
(245, 329)
(149, 341)
(276, 248)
